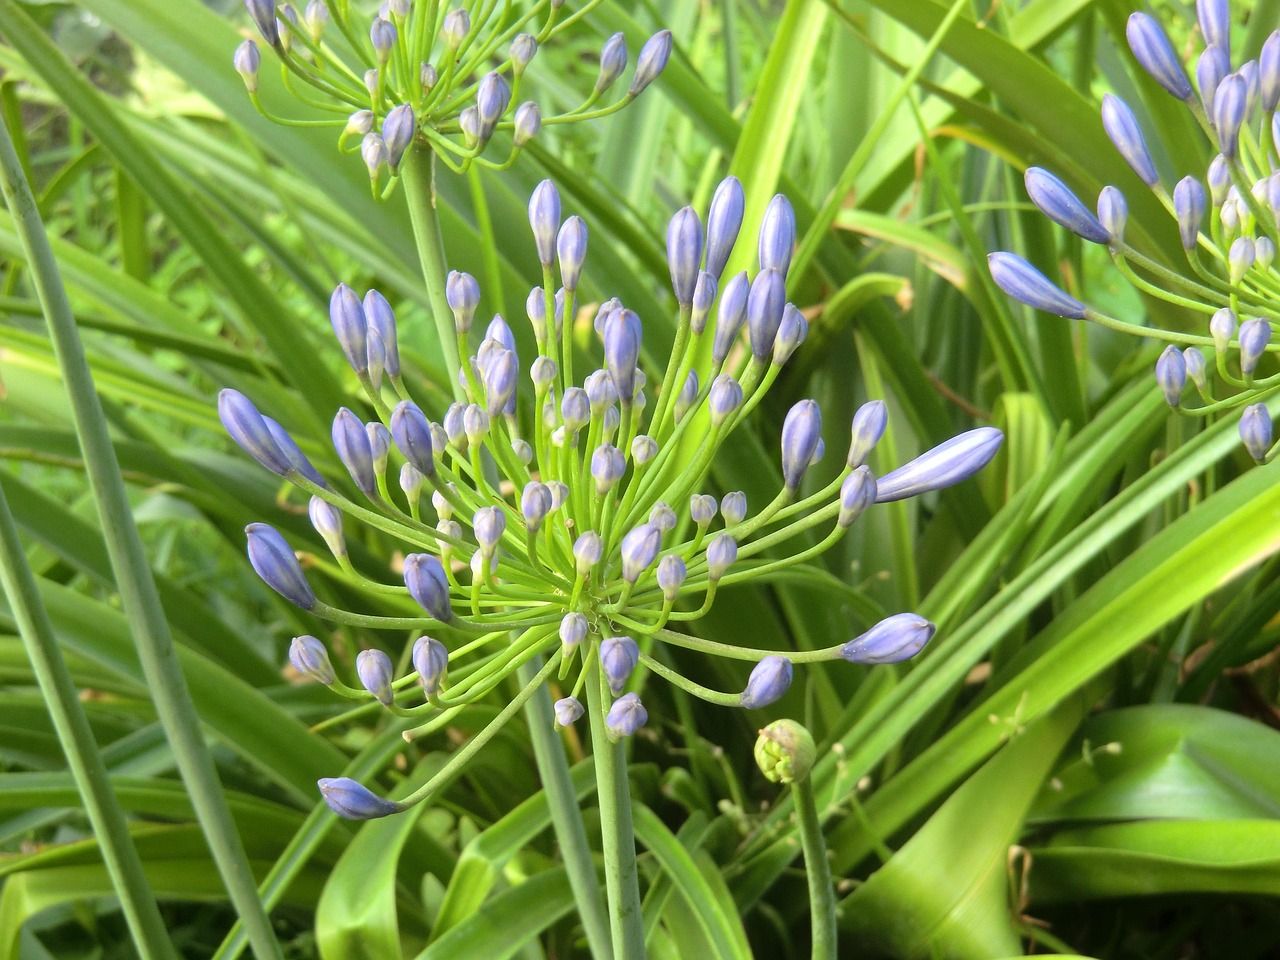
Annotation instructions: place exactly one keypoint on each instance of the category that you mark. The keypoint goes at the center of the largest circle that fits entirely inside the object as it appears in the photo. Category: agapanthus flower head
(574, 520)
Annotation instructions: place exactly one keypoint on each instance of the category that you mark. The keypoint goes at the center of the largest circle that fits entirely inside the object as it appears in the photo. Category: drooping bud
(618, 657)
(801, 431)
(769, 680)
(310, 658)
(351, 441)
(652, 61)
(777, 238)
(684, 253)
(1020, 280)
(431, 660)
(427, 583)
(947, 464)
(248, 428)
(351, 801)
(892, 640)
(274, 561)
(544, 217)
(857, 493)
(376, 671)
(724, 221)
(639, 549)
(1153, 52)
(1122, 127)
(1255, 431)
(1059, 204)
(626, 716)
(785, 752)
(1171, 375)
(246, 61)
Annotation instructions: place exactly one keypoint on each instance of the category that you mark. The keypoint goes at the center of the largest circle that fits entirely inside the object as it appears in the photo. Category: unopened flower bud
(785, 752)
(777, 239)
(1228, 112)
(1113, 213)
(398, 130)
(527, 123)
(724, 400)
(625, 717)
(671, 576)
(733, 507)
(1059, 204)
(724, 220)
(643, 449)
(351, 801)
(587, 551)
(1171, 375)
(613, 60)
(573, 630)
(425, 578)
(857, 493)
(376, 671)
(489, 524)
(652, 61)
(535, 504)
(684, 253)
(1020, 280)
(722, 553)
(248, 428)
(457, 24)
(801, 431)
(1254, 337)
(310, 658)
(622, 335)
(702, 508)
(1122, 127)
(350, 326)
(431, 660)
(791, 333)
(475, 423)
(493, 96)
(639, 549)
(263, 14)
(663, 517)
(1255, 431)
(274, 561)
(1269, 72)
(1214, 64)
(618, 657)
(607, 466)
(704, 294)
(411, 482)
(374, 153)
(567, 710)
(1197, 368)
(246, 61)
(544, 217)
(359, 123)
(769, 680)
(688, 394)
(383, 37)
(947, 464)
(1188, 206)
(892, 640)
(765, 303)
(869, 423)
(1152, 50)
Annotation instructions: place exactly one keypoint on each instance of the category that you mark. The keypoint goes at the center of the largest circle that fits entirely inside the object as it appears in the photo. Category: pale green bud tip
(785, 751)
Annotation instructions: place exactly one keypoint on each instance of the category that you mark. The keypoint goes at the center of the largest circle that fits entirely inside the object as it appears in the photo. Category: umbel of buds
(1226, 218)
(450, 77)
(574, 512)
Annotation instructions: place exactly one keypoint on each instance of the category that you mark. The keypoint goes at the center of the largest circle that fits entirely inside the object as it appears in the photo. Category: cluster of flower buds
(1226, 221)
(451, 76)
(572, 526)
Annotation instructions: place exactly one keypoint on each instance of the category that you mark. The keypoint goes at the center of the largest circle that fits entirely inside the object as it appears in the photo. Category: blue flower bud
(1188, 206)
(607, 466)
(543, 373)
(380, 317)
(371, 80)
(730, 316)
(587, 551)
(493, 96)
(652, 61)
(1254, 337)
(671, 576)
(411, 482)
(1197, 368)
(559, 493)
(425, 578)
(374, 153)
(724, 221)
(523, 48)
(431, 660)
(769, 680)
(379, 446)
(622, 351)
(801, 431)
(575, 409)
(722, 552)
(733, 507)
(1255, 431)
(412, 434)
(1028, 285)
(1222, 327)
(544, 217)
(273, 561)
(527, 123)
(1213, 65)
(573, 630)
(791, 333)
(535, 504)
(383, 37)
(462, 292)
(263, 14)
(316, 17)
(499, 381)
(1113, 213)
(869, 423)
(1240, 258)
(1152, 50)
(567, 710)
(639, 549)
(1228, 112)
(457, 24)
(892, 640)
(311, 659)
(1264, 251)
(248, 428)
(1171, 375)
(377, 358)
(777, 238)
(359, 123)
(618, 657)
(609, 423)
(1214, 17)
(327, 520)
(489, 524)
(643, 449)
(684, 253)
(1249, 71)
(453, 427)
(1269, 72)
(704, 295)
(945, 465)
(469, 123)
(1059, 204)
(724, 399)
(663, 517)
(626, 716)
(288, 26)
(398, 130)
(246, 61)
(351, 801)
(702, 508)
(765, 304)
(601, 391)
(351, 441)
(475, 423)
(613, 60)
(349, 326)
(376, 671)
(1122, 127)
(688, 394)
(857, 493)
(428, 77)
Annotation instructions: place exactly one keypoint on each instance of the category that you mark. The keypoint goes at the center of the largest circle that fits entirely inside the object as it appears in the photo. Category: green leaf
(505, 923)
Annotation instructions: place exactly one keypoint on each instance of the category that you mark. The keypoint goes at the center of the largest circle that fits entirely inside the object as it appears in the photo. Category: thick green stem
(822, 896)
(417, 169)
(137, 588)
(566, 816)
(622, 883)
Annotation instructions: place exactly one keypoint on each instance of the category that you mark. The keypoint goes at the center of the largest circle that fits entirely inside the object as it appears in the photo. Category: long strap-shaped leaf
(138, 594)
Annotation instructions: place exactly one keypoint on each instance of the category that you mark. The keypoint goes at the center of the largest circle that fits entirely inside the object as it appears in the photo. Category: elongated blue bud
(587, 551)
(457, 24)
(475, 423)
(1228, 112)
(431, 660)
(379, 446)
(869, 423)
(857, 493)
(1254, 337)
(652, 61)
(310, 658)
(1171, 375)
(412, 433)
(769, 680)
(377, 354)
(462, 292)
(684, 253)
(1113, 213)
(381, 318)
(544, 218)
(567, 711)
(1059, 204)
(777, 238)
(349, 326)
(639, 549)
(493, 96)
(613, 60)
(704, 295)
(1264, 251)
(1269, 72)
(892, 640)
(607, 466)
(425, 578)
(945, 465)
(724, 400)
(1122, 127)
(499, 381)
(724, 221)
(351, 801)
(371, 80)
(1255, 431)
(575, 409)
(398, 130)
(1152, 50)
(1188, 206)
(274, 561)
(801, 431)
(1239, 258)
(376, 671)
(489, 524)
(622, 352)
(618, 657)
(1020, 280)
(671, 576)
(535, 504)
(643, 449)
(1197, 368)
(1214, 64)
(1214, 17)
(246, 61)
(526, 123)
(733, 507)
(351, 441)
(765, 304)
(625, 717)
(688, 394)
(523, 48)
(702, 508)
(383, 37)
(791, 333)
(327, 520)
(722, 553)
(1249, 71)
(453, 427)
(263, 14)
(248, 428)
(730, 316)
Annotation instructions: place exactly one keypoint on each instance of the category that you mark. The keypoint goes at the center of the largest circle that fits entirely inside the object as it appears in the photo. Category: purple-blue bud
(425, 578)
(379, 446)
(1171, 375)
(724, 399)
(575, 409)
(411, 482)
(298, 461)
(857, 493)
(248, 428)
(704, 295)
(263, 14)
(1222, 327)
(1122, 127)
(246, 61)
(769, 680)
(1214, 17)
(350, 326)
(613, 60)
(327, 521)
(1269, 72)
(274, 561)
(607, 466)
(663, 517)
(373, 151)
(351, 441)
(397, 133)
(622, 352)
(383, 37)
(544, 218)
(412, 433)
(457, 24)
(1153, 52)
(702, 508)
(498, 377)
(722, 552)
(892, 640)
(791, 333)
(543, 373)
(381, 320)
(801, 431)
(1059, 204)
(601, 391)
(535, 504)
(376, 671)
(573, 630)
(310, 658)
(462, 293)
(626, 716)
(523, 48)
(733, 507)
(947, 464)
(643, 449)
(777, 238)
(431, 660)
(671, 576)
(493, 96)
(526, 123)
(1249, 71)
(1214, 64)
(351, 801)
(567, 710)
(688, 394)
(316, 17)
(724, 221)
(358, 124)
(1113, 213)
(869, 423)
(587, 551)
(1188, 207)
(1228, 112)
(765, 304)
(1240, 258)
(1197, 368)
(1020, 280)
(618, 657)
(1255, 431)
(730, 316)
(684, 253)
(652, 61)
(489, 524)
(639, 549)
(1254, 337)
